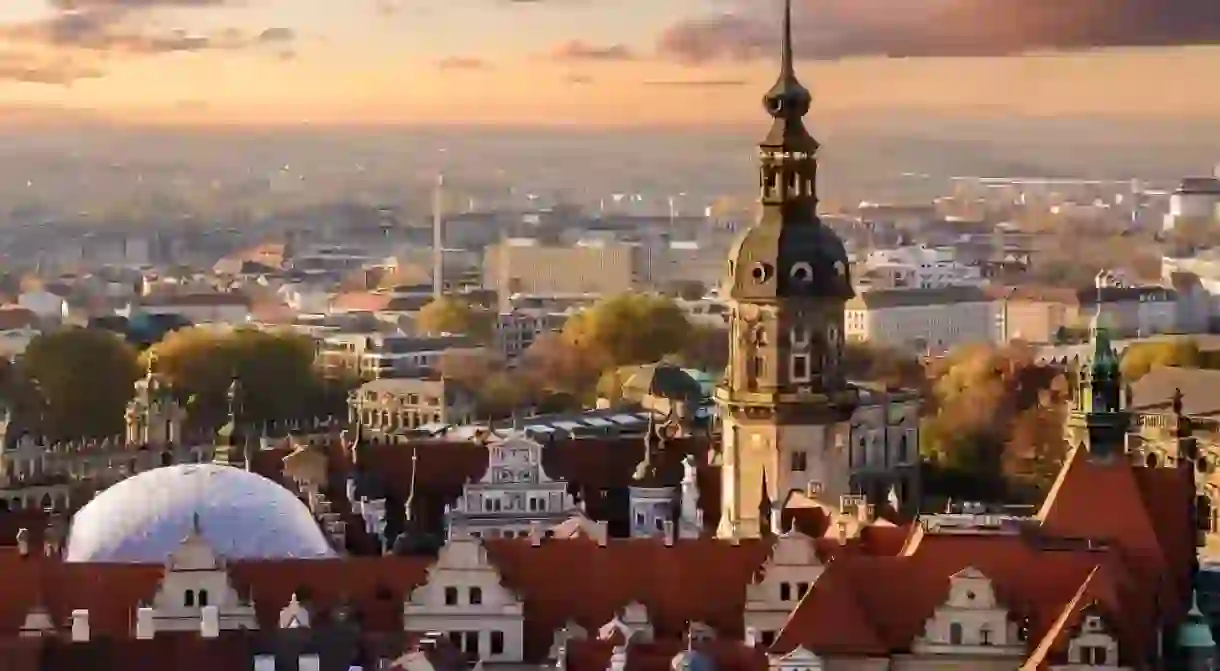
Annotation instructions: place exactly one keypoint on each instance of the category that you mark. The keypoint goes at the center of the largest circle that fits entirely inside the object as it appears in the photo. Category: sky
(600, 62)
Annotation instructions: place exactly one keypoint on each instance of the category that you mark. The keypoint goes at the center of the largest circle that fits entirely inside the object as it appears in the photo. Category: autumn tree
(275, 370)
(555, 365)
(454, 315)
(706, 348)
(992, 413)
(77, 382)
(1140, 358)
(468, 367)
(630, 329)
(891, 367)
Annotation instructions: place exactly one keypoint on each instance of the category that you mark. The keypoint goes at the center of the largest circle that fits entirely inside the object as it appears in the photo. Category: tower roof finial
(787, 68)
(787, 100)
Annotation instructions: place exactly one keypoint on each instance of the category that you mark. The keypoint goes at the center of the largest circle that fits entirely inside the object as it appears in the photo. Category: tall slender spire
(787, 69)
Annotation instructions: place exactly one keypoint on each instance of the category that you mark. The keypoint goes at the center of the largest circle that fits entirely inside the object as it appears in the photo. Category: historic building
(514, 497)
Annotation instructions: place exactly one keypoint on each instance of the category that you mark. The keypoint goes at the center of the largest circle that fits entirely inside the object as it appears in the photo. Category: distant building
(916, 267)
(390, 406)
(924, 321)
(1196, 202)
(527, 266)
(379, 355)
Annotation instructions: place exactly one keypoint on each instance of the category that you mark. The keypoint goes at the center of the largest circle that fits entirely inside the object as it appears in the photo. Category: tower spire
(787, 69)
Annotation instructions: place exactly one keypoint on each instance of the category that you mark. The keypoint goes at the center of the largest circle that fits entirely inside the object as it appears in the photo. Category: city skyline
(632, 62)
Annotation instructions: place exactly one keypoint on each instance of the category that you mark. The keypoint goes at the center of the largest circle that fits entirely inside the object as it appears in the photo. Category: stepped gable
(578, 580)
(374, 586)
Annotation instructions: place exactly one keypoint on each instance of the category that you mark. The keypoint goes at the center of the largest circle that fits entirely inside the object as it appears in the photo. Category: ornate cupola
(790, 252)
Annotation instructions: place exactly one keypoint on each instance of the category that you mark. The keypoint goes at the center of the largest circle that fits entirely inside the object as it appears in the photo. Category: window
(1093, 655)
(188, 599)
(767, 638)
(903, 450)
(455, 638)
(800, 368)
(471, 645)
(799, 462)
(639, 519)
(497, 642)
(476, 596)
(785, 591)
(985, 636)
(660, 523)
(451, 596)
(955, 633)
(203, 598)
(801, 589)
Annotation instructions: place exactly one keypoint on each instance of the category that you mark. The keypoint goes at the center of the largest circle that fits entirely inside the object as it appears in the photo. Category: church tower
(784, 401)
(1098, 421)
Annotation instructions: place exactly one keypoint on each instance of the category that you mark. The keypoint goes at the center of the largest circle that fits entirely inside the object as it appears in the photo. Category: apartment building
(389, 406)
(527, 266)
(518, 329)
(1047, 314)
(925, 321)
(379, 355)
(916, 267)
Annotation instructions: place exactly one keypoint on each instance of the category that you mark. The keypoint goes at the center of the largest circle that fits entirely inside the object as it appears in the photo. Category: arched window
(1151, 461)
(203, 598)
(188, 599)
(955, 633)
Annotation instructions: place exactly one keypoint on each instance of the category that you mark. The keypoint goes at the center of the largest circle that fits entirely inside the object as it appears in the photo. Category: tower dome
(241, 515)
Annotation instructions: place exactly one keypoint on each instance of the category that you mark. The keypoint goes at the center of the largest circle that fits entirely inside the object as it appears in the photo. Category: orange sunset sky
(497, 61)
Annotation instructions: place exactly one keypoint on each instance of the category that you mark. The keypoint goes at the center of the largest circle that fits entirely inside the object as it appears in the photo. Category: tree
(707, 348)
(81, 381)
(453, 315)
(1140, 358)
(687, 290)
(630, 329)
(275, 370)
(994, 416)
(470, 368)
(889, 366)
(554, 365)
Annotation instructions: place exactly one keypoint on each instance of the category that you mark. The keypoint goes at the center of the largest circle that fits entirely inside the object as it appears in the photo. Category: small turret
(1195, 641)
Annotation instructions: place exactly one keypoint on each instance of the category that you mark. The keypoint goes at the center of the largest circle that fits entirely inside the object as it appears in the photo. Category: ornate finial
(1177, 401)
(787, 100)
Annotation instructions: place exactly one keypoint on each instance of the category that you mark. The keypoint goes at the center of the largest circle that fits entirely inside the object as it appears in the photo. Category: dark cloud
(830, 29)
(463, 63)
(576, 50)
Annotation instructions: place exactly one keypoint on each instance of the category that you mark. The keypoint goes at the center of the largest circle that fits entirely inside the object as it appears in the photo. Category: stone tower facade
(1098, 421)
(784, 402)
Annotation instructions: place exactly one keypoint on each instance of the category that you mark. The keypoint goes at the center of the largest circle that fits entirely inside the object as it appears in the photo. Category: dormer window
(188, 599)
(476, 596)
(1094, 655)
(1092, 624)
(451, 596)
(985, 636)
(203, 598)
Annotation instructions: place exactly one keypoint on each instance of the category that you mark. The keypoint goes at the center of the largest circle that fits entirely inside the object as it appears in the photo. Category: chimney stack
(603, 533)
(668, 531)
(535, 535)
(80, 626)
(146, 626)
(23, 542)
(842, 532)
(209, 625)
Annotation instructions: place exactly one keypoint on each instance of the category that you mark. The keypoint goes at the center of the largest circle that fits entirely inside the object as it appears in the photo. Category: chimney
(752, 637)
(146, 626)
(23, 542)
(535, 535)
(842, 532)
(668, 531)
(80, 626)
(209, 625)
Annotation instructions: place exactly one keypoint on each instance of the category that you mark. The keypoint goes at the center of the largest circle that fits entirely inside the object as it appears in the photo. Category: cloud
(827, 29)
(115, 26)
(59, 72)
(462, 63)
(576, 50)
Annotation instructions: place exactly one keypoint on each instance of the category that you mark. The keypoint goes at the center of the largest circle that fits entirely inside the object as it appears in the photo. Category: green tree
(80, 381)
(1140, 358)
(630, 329)
(706, 348)
(275, 370)
(453, 315)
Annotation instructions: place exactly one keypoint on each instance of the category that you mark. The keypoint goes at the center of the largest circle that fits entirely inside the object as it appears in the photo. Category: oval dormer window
(762, 272)
(802, 272)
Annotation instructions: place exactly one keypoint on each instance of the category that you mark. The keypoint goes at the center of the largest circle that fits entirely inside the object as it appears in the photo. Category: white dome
(242, 516)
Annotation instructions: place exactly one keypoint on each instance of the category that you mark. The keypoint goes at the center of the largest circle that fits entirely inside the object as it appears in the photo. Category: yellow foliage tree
(275, 370)
(77, 382)
(453, 315)
(1140, 358)
(630, 329)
